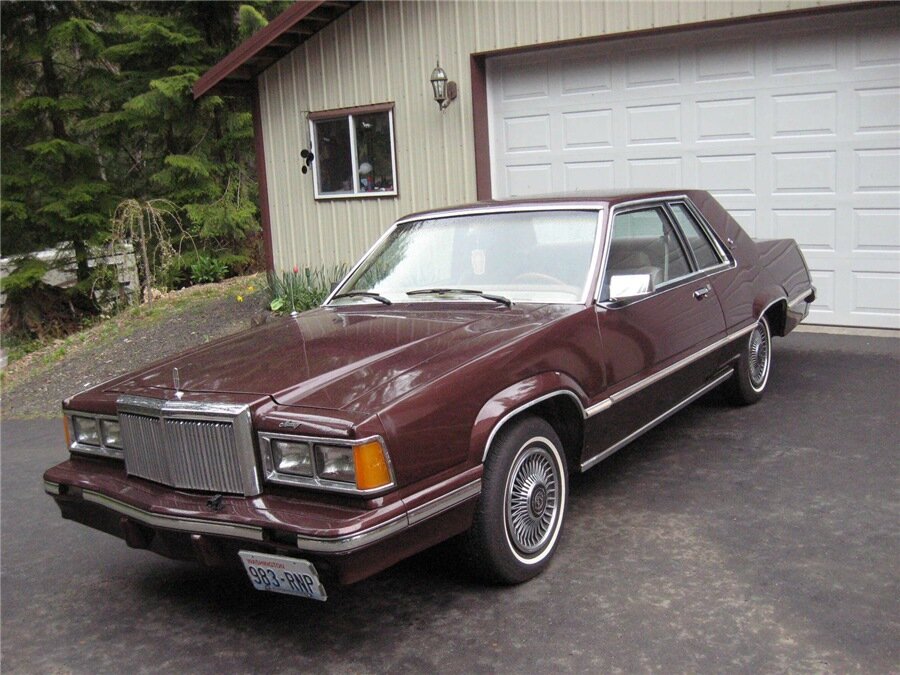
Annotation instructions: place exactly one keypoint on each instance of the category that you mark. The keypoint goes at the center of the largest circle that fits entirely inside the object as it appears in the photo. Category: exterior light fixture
(444, 90)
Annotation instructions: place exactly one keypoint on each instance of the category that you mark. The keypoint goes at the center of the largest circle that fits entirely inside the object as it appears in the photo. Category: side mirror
(622, 286)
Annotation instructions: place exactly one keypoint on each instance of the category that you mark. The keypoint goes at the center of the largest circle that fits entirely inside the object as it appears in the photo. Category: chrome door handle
(701, 293)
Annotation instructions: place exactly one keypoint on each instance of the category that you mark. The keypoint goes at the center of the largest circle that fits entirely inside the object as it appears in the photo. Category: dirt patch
(35, 385)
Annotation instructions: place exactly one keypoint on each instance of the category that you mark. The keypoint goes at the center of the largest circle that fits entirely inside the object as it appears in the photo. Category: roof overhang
(236, 73)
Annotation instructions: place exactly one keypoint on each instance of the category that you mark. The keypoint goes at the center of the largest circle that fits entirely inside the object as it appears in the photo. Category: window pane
(373, 149)
(703, 250)
(333, 162)
(644, 243)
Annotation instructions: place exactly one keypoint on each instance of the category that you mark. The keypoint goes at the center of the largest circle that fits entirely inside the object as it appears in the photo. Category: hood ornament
(176, 380)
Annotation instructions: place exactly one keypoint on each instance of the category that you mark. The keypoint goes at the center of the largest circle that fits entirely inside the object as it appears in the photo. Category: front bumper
(346, 543)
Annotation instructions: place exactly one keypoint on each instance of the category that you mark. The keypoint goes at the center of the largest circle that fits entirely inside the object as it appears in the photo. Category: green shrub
(299, 290)
(208, 270)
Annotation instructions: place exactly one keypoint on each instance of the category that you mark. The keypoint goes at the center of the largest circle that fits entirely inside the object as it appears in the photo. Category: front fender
(514, 399)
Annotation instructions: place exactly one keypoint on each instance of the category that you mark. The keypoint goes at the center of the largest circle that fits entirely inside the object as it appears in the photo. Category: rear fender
(772, 301)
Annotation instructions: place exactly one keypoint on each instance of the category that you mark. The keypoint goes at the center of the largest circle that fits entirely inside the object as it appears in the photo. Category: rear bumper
(345, 543)
(798, 308)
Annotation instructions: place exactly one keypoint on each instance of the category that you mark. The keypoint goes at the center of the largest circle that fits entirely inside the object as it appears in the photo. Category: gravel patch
(36, 385)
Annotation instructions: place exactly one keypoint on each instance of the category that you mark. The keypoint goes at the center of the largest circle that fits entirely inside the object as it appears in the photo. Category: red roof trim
(254, 44)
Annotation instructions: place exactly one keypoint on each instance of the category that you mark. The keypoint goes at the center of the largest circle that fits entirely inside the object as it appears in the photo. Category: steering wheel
(538, 277)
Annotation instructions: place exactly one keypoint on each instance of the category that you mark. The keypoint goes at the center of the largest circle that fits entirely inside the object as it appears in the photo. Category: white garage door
(794, 125)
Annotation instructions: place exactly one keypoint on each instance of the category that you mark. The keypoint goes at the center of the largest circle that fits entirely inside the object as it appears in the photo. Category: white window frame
(350, 116)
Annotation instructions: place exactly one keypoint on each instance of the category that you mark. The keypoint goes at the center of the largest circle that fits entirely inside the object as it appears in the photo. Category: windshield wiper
(363, 294)
(461, 291)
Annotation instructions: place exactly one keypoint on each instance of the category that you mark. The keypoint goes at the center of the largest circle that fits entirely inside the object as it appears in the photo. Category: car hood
(342, 358)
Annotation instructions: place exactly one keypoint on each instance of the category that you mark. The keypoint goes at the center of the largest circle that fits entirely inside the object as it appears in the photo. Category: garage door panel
(876, 230)
(652, 68)
(653, 124)
(728, 175)
(584, 76)
(793, 125)
(877, 46)
(814, 230)
(877, 293)
(878, 110)
(723, 61)
(804, 172)
(819, 54)
(587, 129)
(803, 114)
(529, 179)
(527, 134)
(531, 82)
(588, 176)
(878, 170)
(652, 172)
(726, 119)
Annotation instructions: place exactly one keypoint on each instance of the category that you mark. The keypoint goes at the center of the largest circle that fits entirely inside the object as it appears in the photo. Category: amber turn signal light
(68, 434)
(372, 470)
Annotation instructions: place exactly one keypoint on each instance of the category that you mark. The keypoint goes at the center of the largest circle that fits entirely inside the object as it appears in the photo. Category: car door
(656, 311)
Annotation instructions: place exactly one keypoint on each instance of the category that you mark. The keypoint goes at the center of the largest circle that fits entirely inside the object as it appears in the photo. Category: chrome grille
(144, 449)
(187, 445)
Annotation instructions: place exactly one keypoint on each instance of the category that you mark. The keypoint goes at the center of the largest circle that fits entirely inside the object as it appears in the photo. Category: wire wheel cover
(759, 356)
(532, 500)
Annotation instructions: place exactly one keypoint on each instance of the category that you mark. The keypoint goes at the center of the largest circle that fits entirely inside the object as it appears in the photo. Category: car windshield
(527, 256)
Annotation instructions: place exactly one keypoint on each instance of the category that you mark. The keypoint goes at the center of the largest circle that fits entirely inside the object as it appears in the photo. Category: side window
(703, 249)
(644, 247)
(354, 152)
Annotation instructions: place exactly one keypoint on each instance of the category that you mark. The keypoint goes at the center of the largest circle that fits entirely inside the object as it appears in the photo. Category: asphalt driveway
(726, 540)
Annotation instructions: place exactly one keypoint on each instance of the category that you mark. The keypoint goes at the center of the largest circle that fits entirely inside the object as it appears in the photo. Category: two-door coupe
(465, 367)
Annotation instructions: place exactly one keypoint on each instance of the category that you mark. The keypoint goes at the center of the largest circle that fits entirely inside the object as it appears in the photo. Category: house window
(354, 152)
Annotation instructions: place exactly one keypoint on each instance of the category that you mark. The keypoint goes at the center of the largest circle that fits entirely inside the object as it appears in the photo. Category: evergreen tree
(97, 108)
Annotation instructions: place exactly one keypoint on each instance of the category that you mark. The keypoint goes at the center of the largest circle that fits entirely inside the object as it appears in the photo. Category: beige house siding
(385, 51)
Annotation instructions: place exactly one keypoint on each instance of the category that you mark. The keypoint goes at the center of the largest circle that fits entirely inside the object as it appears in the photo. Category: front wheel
(523, 501)
(754, 365)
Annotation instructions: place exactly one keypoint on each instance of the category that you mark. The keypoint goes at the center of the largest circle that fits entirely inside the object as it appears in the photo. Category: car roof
(580, 199)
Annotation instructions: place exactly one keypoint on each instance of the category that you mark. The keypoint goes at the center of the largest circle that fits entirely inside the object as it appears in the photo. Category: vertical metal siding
(385, 51)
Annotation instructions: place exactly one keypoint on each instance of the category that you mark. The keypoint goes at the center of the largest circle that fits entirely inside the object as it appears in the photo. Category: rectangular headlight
(335, 463)
(292, 458)
(86, 430)
(111, 433)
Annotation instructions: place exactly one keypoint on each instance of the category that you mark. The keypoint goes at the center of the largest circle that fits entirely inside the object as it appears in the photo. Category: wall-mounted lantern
(444, 90)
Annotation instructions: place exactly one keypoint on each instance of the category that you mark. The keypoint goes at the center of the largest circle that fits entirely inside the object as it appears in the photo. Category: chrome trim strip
(51, 488)
(445, 502)
(175, 522)
(507, 208)
(274, 476)
(353, 541)
(598, 407)
(625, 441)
(402, 522)
(800, 298)
(525, 406)
(665, 372)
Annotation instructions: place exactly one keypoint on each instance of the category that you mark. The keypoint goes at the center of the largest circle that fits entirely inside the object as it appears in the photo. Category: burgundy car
(470, 362)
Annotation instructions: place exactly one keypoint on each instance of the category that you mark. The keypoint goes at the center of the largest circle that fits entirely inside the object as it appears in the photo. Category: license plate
(280, 574)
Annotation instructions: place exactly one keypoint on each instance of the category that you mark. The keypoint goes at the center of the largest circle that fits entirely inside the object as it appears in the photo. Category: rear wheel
(523, 500)
(755, 363)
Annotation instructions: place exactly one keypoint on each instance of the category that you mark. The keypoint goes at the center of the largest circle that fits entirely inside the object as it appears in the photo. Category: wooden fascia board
(253, 45)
